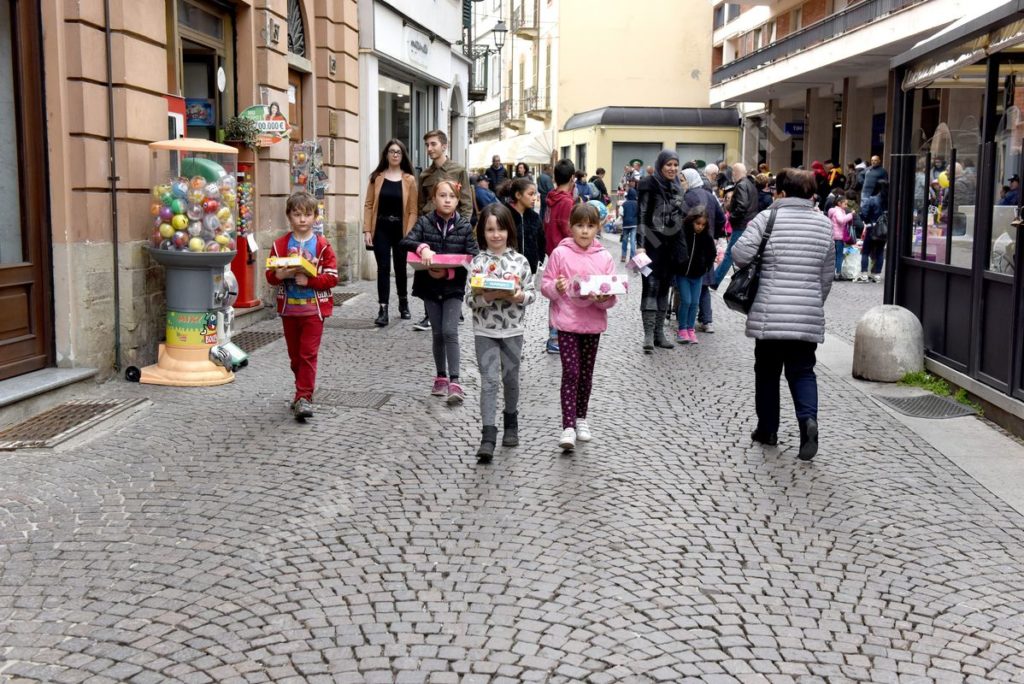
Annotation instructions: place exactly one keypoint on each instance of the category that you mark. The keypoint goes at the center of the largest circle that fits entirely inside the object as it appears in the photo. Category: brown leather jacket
(409, 199)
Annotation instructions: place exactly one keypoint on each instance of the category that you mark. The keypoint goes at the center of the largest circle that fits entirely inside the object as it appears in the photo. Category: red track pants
(302, 335)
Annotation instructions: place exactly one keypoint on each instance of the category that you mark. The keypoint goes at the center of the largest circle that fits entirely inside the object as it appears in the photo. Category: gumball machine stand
(195, 214)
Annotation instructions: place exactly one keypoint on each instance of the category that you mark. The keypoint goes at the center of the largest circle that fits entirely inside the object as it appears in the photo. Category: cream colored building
(599, 92)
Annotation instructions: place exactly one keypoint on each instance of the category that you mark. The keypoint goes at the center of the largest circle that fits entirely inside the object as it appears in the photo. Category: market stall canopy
(531, 148)
(200, 145)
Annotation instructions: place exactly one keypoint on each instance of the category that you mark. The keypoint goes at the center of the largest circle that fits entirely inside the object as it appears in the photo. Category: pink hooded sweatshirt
(840, 220)
(577, 314)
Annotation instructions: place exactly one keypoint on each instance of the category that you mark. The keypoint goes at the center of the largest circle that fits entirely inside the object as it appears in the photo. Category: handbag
(742, 290)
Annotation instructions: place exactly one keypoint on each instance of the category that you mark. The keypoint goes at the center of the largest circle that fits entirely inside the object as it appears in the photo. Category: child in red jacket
(304, 301)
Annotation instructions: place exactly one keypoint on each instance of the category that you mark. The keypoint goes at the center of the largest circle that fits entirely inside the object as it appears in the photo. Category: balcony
(834, 26)
(526, 19)
(477, 91)
(485, 123)
(512, 115)
(537, 103)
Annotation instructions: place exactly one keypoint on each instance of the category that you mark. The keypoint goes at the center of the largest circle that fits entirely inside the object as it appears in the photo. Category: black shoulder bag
(742, 290)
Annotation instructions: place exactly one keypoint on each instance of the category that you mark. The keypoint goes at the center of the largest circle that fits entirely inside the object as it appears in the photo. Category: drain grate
(351, 399)
(342, 297)
(349, 323)
(927, 406)
(61, 423)
(251, 340)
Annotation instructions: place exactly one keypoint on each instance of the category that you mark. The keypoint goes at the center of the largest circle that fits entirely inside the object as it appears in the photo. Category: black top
(454, 236)
(389, 204)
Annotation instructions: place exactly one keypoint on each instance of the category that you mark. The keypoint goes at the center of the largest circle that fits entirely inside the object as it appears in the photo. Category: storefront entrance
(206, 80)
(406, 112)
(26, 338)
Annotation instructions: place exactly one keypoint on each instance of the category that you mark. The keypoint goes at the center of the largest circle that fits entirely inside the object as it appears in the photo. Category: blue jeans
(797, 357)
(723, 267)
(628, 240)
(875, 252)
(839, 256)
(689, 300)
(704, 310)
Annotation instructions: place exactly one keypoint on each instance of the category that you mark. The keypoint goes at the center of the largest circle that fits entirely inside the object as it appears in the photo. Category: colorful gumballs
(223, 214)
(167, 245)
(196, 244)
(179, 222)
(156, 238)
(166, 198)
(165, 213)
(194, 211)
(178, 206)
(222, 239)
(210, 205)
(197, 182)
(211, 222)
(195, 228)
(231, 245)
(180, 239)
(179, 188)
(212, 246)
(212, 190)
(160, 190)
(154, 208)
(227, 182)
(166, 230)
(196, 196)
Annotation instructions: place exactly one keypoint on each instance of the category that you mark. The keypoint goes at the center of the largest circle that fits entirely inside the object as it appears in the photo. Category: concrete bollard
(889, 344)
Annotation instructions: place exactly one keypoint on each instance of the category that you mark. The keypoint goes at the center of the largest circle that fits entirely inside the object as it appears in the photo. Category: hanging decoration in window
(296, 31)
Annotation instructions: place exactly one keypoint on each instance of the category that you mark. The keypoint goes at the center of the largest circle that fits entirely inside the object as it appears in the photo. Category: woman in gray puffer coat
(787, 319)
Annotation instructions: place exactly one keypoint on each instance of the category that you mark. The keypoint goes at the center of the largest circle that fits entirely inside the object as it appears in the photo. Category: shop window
(581, 157)
(565, 152)
(394, 110)
(1009, 166)
(205, 66)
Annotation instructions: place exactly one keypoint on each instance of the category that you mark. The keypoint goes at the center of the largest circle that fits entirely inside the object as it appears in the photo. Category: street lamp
(499, 31)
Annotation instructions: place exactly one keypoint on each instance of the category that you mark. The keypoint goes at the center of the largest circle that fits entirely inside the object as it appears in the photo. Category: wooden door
(295, 105)
(26, 338)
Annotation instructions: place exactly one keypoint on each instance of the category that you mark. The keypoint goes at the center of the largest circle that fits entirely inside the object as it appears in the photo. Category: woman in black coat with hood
(662, 209)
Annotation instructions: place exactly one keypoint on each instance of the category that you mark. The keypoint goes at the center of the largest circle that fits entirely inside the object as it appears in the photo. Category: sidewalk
(212, 538)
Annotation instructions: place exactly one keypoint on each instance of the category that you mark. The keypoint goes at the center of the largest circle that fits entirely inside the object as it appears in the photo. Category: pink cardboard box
(584, 286)
(440, 261)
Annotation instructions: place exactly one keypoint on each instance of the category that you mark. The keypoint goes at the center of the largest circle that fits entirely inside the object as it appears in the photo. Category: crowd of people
(682, 226)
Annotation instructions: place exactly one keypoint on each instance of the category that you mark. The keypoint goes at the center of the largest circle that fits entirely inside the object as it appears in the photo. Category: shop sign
(187, 329)
(417, 47)
(794, 128)
(199, 111)
(272, 123)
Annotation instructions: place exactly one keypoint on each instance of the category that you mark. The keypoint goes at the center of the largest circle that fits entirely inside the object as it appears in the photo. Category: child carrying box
(498, 321)
(303, 301)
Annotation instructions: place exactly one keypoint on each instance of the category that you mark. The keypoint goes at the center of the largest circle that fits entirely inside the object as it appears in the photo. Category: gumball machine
(194, 214)
(244, 266)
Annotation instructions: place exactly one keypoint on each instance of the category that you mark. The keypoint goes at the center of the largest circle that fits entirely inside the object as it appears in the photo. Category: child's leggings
(578, 352)
(444, 326)
(498, 358)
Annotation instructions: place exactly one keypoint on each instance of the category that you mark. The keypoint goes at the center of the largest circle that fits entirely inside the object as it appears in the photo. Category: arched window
(296, 29)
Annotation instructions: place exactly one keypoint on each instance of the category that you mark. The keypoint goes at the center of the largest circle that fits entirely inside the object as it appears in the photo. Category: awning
(532, 148)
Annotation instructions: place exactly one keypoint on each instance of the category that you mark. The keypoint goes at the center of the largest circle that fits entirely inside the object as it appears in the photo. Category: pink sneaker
(693, 336)
(440, 388)
(455, 394)
(682, 337)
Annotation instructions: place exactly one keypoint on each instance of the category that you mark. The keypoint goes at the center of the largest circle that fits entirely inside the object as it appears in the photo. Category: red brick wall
(716, 57)
(813, 10)
(782, 25)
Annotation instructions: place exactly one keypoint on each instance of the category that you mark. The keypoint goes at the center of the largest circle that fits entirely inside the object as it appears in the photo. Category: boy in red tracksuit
(556, 224)
(303, 302)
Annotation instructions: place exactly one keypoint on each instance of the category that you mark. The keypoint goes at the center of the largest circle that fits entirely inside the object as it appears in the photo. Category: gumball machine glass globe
(179, 222)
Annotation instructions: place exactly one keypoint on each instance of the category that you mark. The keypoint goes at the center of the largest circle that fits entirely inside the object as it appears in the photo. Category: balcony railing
(512, 114)
(855, 17)
(486, 122)
(535, 103)
(526, 18)
(478, 79)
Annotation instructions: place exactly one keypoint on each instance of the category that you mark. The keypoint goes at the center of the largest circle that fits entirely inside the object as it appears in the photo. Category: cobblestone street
(212, 538)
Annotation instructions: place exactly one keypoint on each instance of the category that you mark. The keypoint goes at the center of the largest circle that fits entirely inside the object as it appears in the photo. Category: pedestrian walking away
(443, 231)
(389, 213)
(443, 168)
(742, 208)
(579, 320)
(499, 324)
(303, 300)
(787, 319)
(659, 235)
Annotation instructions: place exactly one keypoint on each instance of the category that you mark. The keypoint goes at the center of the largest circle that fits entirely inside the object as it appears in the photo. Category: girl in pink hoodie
(840, 219)
(579, 320)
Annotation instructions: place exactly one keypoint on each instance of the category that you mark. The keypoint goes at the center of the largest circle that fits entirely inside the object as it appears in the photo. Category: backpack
(880, 229)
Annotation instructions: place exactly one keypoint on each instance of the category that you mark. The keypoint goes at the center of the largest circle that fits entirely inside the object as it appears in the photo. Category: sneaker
(583, 430)
(693, 336)
(682, 337)
(568, 439)
(422, 325)
(552, 347)
(302, 409)
(708, 327)
(862, 278)
(455, 394)
(874, 278)
(766, 438)
(440, 388)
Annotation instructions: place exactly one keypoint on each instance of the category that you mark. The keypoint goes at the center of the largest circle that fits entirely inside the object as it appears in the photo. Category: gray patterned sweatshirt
(502, 317)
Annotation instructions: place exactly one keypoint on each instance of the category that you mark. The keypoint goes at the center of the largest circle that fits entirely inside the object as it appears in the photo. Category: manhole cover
(61, 423)
(927, 406)
(342, 297)
(351, 399)
(349, 323)
(251, 340)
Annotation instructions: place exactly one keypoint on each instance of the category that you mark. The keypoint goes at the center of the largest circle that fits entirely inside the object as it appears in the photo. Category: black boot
(510, 437)
(382, 316)
(808, 439)
(648, 318)
(403, 308)
(486, 451)
(659, 332)
(766, 438)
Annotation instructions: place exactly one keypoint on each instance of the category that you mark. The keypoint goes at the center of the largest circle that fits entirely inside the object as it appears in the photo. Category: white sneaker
(568, 439)
(873, 278)
(862, 278)
(582, 430)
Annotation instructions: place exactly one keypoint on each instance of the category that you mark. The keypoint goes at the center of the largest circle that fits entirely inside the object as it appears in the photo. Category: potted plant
(242, 131)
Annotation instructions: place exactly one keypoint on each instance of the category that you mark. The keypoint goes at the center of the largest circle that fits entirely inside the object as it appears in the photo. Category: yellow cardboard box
(291, 261)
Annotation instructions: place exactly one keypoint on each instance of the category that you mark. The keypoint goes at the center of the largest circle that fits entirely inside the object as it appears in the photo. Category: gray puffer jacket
(796, 272)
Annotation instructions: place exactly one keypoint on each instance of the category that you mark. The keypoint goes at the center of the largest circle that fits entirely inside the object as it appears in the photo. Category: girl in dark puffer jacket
(690, 274)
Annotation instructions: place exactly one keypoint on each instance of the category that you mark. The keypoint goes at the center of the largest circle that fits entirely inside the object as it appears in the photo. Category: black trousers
(797, 358)
(385, 248)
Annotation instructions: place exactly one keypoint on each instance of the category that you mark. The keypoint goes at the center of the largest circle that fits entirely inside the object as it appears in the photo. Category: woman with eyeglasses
(389, 213)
